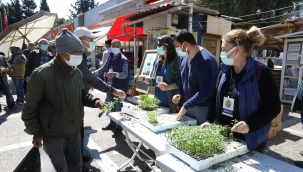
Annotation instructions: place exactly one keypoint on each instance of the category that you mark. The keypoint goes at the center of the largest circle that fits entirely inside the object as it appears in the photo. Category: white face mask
(74, 60)
(91, 47)
(115, 50)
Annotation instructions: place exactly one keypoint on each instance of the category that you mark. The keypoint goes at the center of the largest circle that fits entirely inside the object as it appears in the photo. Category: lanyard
(233, 80)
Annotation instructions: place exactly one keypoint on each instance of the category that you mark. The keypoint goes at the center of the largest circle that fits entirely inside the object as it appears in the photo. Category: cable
(214, 4)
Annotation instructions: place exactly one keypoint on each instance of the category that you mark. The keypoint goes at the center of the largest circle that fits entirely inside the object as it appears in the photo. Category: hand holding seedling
(110, 74)
(120, 94)
(240, 127)
(100, 104)
(205, 124)
(164, 87)
(108, 107)
(176, 98)
(182, 111)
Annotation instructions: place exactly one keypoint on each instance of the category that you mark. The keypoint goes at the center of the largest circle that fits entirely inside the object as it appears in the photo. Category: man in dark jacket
(90, 80)
(31, 47)
(116, 72)
(54, 106)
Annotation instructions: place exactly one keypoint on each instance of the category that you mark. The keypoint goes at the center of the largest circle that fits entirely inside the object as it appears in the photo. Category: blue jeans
(117, 107)
(197, 113)
(8, 94)
(19, 88)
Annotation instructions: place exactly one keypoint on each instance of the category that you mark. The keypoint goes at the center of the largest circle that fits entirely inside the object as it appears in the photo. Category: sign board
(122, 9)
(147, 70)
(152, 37)
(294, 46)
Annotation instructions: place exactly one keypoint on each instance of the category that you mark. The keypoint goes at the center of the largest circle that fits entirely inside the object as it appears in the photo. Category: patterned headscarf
(15, 50)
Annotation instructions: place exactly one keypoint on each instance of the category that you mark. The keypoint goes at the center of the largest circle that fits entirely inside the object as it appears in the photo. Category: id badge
(228, 106)
(159, 79)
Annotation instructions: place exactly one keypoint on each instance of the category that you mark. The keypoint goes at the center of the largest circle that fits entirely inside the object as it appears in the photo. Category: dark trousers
(8, 94)
(24, 86)
(82, 137)
(64, 153)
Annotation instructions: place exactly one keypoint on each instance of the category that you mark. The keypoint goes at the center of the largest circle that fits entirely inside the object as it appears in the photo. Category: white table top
(250, 162)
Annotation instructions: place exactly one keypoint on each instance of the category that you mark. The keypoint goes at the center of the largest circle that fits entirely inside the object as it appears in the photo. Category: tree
(256, 12)
(60, 21)
(28, 7)
(81, 6)
(44, 6)
(13, 11)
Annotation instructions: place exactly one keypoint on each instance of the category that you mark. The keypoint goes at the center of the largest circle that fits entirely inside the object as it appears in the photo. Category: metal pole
(135, 49)
(190, 17)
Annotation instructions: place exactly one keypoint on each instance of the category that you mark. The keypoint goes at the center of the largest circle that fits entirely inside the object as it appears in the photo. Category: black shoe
(18, 100)
(299, 163)
(108, 127)
(117, 132)
(85, 169)
(301, 153)
(86, 158)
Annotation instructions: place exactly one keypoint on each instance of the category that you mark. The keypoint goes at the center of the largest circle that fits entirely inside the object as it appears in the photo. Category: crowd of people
(54, 88)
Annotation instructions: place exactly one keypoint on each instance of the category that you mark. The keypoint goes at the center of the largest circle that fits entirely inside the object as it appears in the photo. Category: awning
(102, 33)
(126, 33)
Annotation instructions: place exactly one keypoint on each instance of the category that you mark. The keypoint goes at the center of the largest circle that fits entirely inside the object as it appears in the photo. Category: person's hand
(91, 88)
(120, 94)
(176, 99)
(139, 78)
(2, 69)
(205, 124)
(100, 104)
(37, 142)
(27, 79)
(240, 127)
(163, 86)
(110, 74)
(182, 111)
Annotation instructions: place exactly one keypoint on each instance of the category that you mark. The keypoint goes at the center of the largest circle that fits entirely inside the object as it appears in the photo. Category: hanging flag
(5, 22)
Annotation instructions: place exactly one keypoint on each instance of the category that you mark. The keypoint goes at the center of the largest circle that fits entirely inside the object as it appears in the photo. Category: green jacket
(55, 100)
(173, 108)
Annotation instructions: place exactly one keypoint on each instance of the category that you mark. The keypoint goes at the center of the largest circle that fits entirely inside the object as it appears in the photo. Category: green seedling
(108, 107)
(233, 123)
(152, 117)
(137, 71)
(148, 103)
(199, 143)
(92, 69)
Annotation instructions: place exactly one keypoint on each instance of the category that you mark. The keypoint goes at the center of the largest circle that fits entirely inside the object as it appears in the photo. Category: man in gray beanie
(53, 110)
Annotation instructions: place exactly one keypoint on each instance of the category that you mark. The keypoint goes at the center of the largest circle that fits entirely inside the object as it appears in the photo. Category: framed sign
(147, 70)
(152, 37)
(294, 46)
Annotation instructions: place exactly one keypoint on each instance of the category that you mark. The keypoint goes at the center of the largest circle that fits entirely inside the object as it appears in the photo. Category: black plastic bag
(31, 162)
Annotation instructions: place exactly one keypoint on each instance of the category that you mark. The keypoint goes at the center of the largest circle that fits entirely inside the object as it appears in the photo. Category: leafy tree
(60, 21)
(44, 6)
(253, 12)
(81, 6)
(28, 7)
(13, 11)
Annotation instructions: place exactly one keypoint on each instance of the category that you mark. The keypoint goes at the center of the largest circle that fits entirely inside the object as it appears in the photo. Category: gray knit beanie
(67, 42)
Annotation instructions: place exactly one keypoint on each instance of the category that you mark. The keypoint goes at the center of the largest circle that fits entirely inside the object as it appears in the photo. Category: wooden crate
(272, 132)
(278, 126)
(279, 116)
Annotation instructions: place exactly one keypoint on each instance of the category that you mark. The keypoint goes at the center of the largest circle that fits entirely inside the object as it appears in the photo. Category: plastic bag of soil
(31, 162)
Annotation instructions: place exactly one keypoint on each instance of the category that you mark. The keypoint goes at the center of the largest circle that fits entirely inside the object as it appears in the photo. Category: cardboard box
(279, 116)
(277, 126)
(272, 132)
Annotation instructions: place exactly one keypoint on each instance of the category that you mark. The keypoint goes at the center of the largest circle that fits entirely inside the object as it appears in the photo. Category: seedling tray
(233, 149)
(135, 111)
(165, 122)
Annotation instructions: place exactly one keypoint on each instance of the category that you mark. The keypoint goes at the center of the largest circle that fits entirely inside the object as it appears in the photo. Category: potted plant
(108, 107)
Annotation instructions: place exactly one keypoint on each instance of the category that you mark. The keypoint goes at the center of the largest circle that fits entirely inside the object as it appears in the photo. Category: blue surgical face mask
(115, 50)
(160, 50)
(181, 52)
(44, 47)
(225, 59)
(91, 47)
